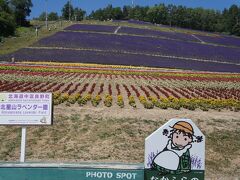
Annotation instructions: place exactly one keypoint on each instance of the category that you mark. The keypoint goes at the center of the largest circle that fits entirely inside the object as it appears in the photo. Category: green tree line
(52, 16)
(227, 21)
(68, 13)
(13, 13)
(75, 13)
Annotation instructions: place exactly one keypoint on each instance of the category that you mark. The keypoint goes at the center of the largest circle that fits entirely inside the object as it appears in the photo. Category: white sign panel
(178, 147)
(26, 108)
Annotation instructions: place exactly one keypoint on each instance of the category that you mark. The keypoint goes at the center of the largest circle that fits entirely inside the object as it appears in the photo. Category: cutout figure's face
(180, 139)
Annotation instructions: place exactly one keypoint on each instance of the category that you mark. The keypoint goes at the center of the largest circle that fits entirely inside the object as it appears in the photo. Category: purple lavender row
(148, 32)
(141, 45)
(88, 27)
(117, 59)
(132, 21)
(220, 39)
(214, 38)
(139, 22)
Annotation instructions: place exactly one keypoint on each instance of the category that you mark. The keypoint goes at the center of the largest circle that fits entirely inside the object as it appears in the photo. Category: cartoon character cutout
(175, 157)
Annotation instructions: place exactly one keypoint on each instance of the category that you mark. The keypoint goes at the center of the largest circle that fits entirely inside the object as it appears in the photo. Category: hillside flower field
(116, 82)
(121, 44)
(122, 86)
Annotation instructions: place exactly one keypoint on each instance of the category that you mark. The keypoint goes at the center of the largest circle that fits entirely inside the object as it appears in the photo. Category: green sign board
(70, 172)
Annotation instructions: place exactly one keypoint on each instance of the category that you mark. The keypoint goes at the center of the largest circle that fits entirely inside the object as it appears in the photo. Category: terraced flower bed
(146, 45)
(90, 27)
(123, 87)
(112, 57)
(137, 47)
(154, 33)
(222, 40)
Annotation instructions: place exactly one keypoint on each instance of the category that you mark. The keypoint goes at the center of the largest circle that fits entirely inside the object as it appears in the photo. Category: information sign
(26, 109)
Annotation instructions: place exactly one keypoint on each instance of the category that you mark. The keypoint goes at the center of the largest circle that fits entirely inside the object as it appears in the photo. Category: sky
(89, 5)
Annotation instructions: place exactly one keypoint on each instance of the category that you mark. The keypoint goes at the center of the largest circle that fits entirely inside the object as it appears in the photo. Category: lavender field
(137, 44)
(90, 27)
(126, 47)
(132, 21)
(222, 40)
(88, 56)
(148, 32)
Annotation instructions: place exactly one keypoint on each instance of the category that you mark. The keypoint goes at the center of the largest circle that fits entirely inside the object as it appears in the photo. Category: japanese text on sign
(26, 108)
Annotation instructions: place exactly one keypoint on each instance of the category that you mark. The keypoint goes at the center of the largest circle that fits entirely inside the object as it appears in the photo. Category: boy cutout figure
(175, 157)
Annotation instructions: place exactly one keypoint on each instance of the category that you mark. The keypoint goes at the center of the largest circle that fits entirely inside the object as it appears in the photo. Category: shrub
(83, 100)
(191, 106)
(73, 98)
(203, 108)
(132, 101)
(108, 100)
(120, 101)
(154, 100)
(162, 105)
(56, 95)
(164, 100)
(146, 104)
(64, 97)
(175, 106)
(56, 102)
(88, 97)
(95, 101)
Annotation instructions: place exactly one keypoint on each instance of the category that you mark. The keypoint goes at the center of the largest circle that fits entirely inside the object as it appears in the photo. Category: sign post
(25, 109)
(23, 144)
(175, 151)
